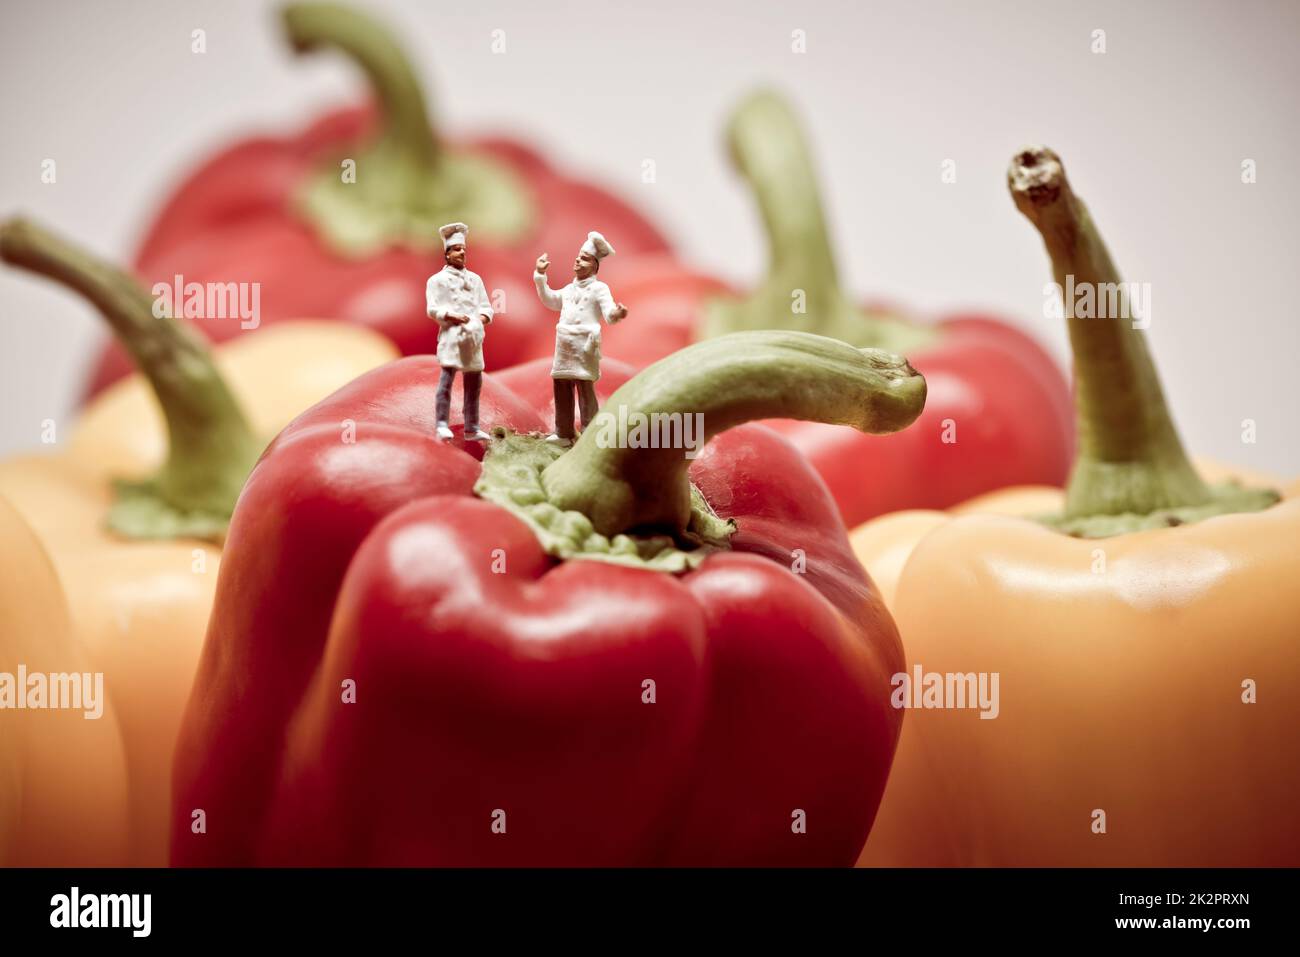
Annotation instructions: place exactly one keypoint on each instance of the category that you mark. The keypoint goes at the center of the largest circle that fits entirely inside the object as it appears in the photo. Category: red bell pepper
(277, 211)
(999, 410)
(605, 656)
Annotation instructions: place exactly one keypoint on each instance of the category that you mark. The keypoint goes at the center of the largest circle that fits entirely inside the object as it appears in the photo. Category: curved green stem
(1130, 460)
(404, 185)
(724, 382)
(802, 290)
(405, 115)
(769, 149)
(210, 445)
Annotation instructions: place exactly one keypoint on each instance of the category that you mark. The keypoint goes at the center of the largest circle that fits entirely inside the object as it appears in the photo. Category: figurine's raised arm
(550, 298)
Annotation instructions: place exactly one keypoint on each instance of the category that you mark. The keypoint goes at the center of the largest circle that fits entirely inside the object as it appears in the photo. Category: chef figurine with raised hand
(458, 300)
(583, 305)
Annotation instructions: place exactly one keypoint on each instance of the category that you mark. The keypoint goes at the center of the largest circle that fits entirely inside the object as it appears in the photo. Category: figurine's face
(456, 255)
(585, 265)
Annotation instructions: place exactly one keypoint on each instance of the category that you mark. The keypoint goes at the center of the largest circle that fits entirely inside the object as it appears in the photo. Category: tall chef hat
(452, 234)
(598, 246)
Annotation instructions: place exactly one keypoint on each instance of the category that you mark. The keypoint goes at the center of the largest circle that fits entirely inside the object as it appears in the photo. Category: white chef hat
(452, 234)
(597, 245)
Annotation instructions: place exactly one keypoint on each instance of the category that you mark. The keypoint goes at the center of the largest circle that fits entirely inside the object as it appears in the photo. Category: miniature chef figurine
(458, 299)
(582, 305)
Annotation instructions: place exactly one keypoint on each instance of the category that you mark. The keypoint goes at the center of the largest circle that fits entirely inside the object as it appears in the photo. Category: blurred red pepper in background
(281, 211)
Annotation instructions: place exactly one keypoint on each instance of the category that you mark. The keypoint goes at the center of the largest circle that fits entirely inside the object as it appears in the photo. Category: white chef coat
(583, 304)
(458, 292)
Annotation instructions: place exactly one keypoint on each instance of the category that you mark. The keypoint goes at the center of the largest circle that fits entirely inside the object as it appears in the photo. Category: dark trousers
(587, 404)
(473, 382)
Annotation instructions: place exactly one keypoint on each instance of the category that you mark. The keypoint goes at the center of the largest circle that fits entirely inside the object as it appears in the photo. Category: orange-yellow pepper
(1144, 639)
(63, 787)
(138, 561)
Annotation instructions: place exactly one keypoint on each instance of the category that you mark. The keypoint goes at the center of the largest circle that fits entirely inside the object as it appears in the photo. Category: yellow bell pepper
(63, 789)
(1143, 637)
(138, 558)
(884, 544)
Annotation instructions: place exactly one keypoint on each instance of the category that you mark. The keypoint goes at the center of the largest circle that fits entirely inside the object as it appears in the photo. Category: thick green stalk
(403, 185)
(1130, 460)
(726, 381)
(210, 445)
(407, 127)
(802, 289)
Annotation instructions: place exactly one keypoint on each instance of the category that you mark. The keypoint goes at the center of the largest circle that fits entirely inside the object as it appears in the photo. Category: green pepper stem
(727, 381)
(398, 189)
(210, 445)
(402, 107)
(802, 289)
(1130, 458)
(770, 151)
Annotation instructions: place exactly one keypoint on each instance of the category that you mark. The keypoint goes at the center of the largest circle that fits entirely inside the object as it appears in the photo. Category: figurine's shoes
(444, 433)
(478, 435)
(556, 439)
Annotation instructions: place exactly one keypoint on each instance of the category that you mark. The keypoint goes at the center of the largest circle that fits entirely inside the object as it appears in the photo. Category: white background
(1153, 133)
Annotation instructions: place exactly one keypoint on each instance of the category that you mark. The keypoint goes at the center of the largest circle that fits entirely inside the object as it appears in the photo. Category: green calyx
(802, 291)
(1225, 499)
(512, 478)
(401, 187)
(622, 493)
(1130, 471)
(211, 448)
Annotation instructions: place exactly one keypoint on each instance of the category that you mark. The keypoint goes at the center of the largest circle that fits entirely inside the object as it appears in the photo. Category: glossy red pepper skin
(521, 690)
(232, 221)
